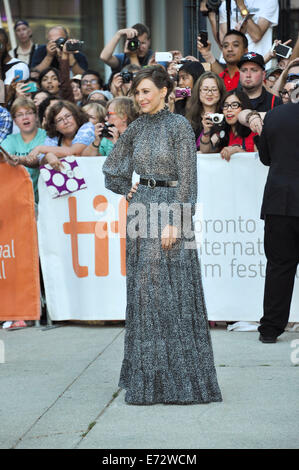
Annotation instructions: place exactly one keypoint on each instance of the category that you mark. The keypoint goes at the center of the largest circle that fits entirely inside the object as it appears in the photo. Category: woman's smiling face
(231, 109)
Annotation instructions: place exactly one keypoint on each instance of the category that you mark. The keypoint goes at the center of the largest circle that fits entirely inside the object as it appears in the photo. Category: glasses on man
(110, 113)
(24, 115)
(214, 91)
(64, 118)
(90, 82)
(233, 105)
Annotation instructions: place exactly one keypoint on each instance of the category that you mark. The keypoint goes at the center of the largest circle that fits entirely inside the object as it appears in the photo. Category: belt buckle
(151, 183)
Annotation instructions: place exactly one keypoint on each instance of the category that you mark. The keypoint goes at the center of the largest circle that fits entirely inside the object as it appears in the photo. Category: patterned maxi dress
(168, 354)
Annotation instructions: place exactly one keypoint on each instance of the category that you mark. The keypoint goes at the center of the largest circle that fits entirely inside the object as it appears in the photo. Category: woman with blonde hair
(96, 112)
(120, 113)
(206, 98)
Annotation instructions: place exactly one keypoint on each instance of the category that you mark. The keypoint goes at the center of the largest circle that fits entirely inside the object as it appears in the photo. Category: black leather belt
(152, 183)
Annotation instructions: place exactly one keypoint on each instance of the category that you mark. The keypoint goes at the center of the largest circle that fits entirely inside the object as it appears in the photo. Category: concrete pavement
(59, 390)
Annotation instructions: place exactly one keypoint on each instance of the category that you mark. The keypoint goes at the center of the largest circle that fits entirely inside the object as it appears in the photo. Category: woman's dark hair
(79, 116)
(4, 56)
(241, 131)
(195, 108)
(44, 72)
(158, 75)
(43, 106)
(193, 68)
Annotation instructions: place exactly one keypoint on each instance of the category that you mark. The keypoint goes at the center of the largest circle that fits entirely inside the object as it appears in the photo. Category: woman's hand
(13, 160)
(227, 152)
(98, 129)
(36, 151)
(256, 123)
(22, 90)
(132, 191)
(207, 123)
(116, 85)
(114, 134)
(54, 162)
(169, 237)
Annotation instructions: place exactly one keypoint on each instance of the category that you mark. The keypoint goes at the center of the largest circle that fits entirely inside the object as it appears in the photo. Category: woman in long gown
(168, 354)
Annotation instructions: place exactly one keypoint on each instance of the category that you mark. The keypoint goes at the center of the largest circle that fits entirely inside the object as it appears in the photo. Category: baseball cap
(271, 71)
(252, 57)
(20, 22)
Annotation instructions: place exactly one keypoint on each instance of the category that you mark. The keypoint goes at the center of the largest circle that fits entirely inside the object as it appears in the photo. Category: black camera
(133, 44)
(105, 131)
(74, 46)
(60, 42)
(126, 76)
(212, 5)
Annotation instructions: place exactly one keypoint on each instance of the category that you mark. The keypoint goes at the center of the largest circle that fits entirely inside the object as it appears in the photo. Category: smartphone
(19, 74)
(32, 87)
(204, 38)
(247, 17)
(282, 50)
(163, 57)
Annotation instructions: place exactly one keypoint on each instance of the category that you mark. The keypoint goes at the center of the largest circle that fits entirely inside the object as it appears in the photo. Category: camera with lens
(126, 76)
(105, 130)
(212, 5)
(74, 46)
(216, 118)
(60, 42)
(133, 44)
(182, 92)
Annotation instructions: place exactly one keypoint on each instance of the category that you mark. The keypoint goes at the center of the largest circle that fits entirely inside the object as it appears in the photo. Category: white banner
(84, 274)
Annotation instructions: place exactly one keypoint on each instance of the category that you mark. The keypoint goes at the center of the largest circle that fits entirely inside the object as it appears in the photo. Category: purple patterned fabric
(66, 181)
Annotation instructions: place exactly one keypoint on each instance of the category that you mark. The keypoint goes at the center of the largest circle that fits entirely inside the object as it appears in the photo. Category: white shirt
(267, 9)
(10, 74)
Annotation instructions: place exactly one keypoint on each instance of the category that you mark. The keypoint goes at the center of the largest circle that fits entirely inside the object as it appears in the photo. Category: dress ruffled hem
(161, 387)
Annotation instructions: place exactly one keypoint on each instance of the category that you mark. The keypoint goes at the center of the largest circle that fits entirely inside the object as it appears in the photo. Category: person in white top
(257, 28)
(10, 70)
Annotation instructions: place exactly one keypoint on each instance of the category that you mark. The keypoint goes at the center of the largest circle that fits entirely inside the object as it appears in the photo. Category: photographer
(48, 55)
(120, 83)
(137, 52)
(120, 113)
(258, 28)
(188, 75)
(234, 46)
(231, 137)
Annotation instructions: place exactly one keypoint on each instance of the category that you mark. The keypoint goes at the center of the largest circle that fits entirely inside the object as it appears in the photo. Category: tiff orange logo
(101, 236)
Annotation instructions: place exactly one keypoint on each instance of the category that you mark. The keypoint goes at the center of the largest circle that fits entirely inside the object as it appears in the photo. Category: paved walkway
(59, 390)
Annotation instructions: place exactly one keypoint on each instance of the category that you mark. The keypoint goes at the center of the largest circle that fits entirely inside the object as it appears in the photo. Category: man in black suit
(278, 148)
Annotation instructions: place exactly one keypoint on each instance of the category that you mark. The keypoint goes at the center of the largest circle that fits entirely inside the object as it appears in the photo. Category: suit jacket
(278, 148)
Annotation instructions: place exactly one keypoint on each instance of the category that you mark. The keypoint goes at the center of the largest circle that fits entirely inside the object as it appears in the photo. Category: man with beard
(234, 46)
(252, 76)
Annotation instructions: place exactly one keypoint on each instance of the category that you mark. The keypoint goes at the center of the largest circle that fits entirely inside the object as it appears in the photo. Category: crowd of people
(53, 105)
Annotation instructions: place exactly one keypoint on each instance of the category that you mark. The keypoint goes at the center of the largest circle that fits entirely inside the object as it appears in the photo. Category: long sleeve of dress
(186, 162)
(118, 167)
